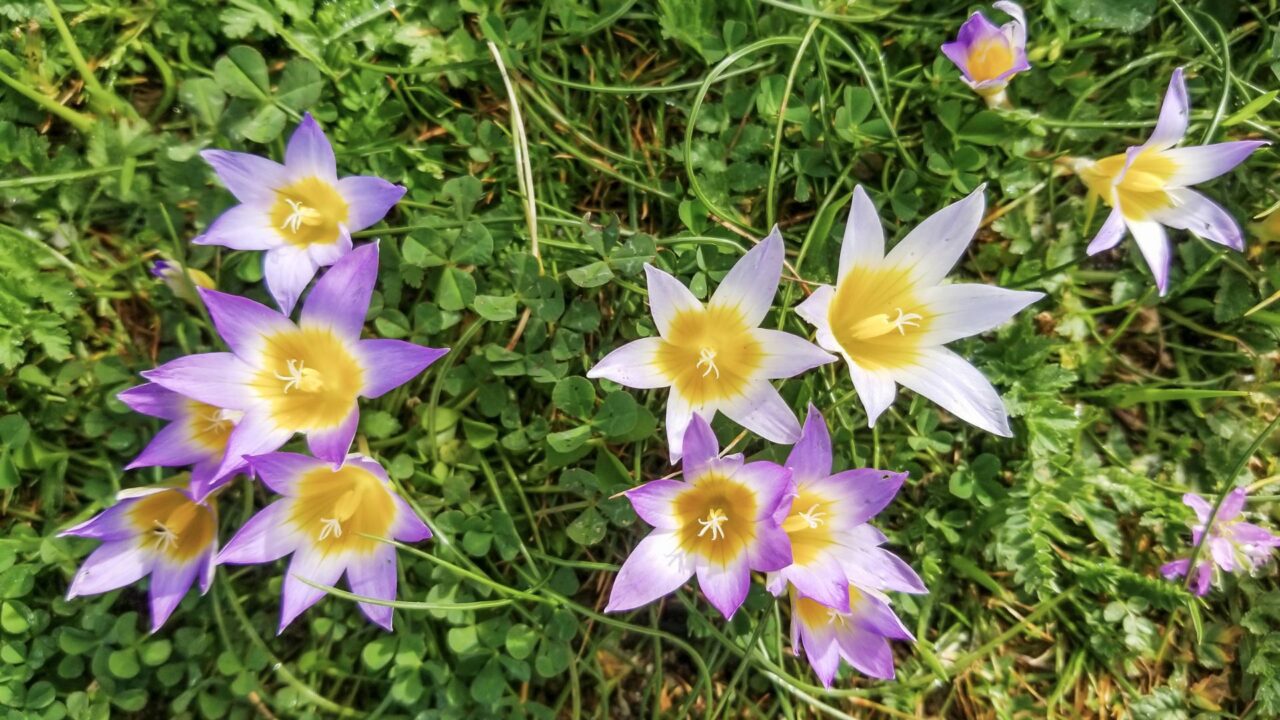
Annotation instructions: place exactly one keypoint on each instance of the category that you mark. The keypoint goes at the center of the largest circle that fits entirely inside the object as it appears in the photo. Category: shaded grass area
(674, 132)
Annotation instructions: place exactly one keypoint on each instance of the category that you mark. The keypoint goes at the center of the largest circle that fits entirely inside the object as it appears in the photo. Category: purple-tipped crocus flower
(297, 378)
(718, 523)
(831, 544)
(716, 358)
(1233, 545)
(860, 636)
(989, 56)
(158, 531)
(300, 213)
(196, 435)
(1148, 187)
(333, 521)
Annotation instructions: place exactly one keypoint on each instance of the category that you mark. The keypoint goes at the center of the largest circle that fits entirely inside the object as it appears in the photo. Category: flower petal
(634, 365)
(281, 471)
(113, 565)
(318, 568)
(169, 584)
(866, 651)
(769, 482)
(725, 587)
(786, 355)
(326, 254)
(1198, 214)
(668, 297)
(340, 299)
(762, 410)
(950, 381)
(1017, 29)
(1199, 163)
(935, 245)
(408, 527)
(154, 400)
(243, 227)
(109, 525)
(204, 478)
(218, 379)
(1201, 506)
(287, 271)
(863, 243)
(389, 364)
(810, 459)
(1109, 235)
(1175, 569)
(1174, 114)
(815, 311)
(249, 177)
(1223, 554)
(752, 282)
(1204, 575)
(375, 576)
(171, 447)
(268, 536)
(876, 388)
(819, 644)
(875, 615)
(771, 550)
(699, 446)
(878, 569)
(309, 153)
(655, 502)
(369, 199)
(679, 414)
(655, 568)
(860, 493)
(822, 579)
(960, 311)
(1154, 244)
(1232, 506)
(243, 324)
(255, 434)
(332, 444)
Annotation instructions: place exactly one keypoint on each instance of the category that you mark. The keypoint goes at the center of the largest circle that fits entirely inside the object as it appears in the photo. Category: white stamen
(331, 527)
(707, 356)
(293, 223)
(295, 376)
(902, 321)
(165, 538)
(812, 516)
(713, 523)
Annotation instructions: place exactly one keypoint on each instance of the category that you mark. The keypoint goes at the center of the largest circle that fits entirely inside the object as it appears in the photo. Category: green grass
(678, 130)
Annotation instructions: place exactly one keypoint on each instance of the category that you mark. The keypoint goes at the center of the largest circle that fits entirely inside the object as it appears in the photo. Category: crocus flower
(196, 435)
(889, 316)
(332, 521)
(831, 545)
(1233, 544)
(1148, 187)
(718, 523)
(299, 212)
(989, 56)
(158, 531)
(860, 636)
(170, 273)
(715, 357)
(297, 378)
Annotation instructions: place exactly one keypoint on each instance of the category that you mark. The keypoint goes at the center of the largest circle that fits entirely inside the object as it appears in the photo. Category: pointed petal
(218, 379)
(752, 282)
(1232, 506)
(334, 443)
(655, 502)
(204, 478)
(634, 365)
(243, 227)
(1174, 114)
(679, 413)
(340, 299)
(950, 381)
(1204, 576)
(169, 584)
(866, 651)
(815, 311)
(249, 177)
(787, 355)
(1201, 506)
(879, 569)
(699, 447)
(109, 525)
(1198, 214)
(368, 198)
(1223, 554)
(768, 481)
(725, 587)
(243, 324)
(819, 644)
(668, 297)
(375, 576)
(408, 527)
(171, 447)
(936, 244)
(268, 536)
(1175, 569)
(255, 434)
(391, 363)
(771, 550)
(875, 615)
(876, 389)
(810, 459)
(655, 568)
(762, 410)
(309, 153)
(1199, 163)
(1154, 244)
(281, 471)
(863, 243)
(1109, 235)
(297, 596)
(822, 580)
(154, 400)
(287, 271)
(960, 311)
(113, 565)
(861, 493)
(1018, 27)
(326, 254)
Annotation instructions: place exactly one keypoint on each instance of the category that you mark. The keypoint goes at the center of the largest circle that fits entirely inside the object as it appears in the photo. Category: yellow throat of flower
(210, 427)
(876, 317)
(308, 212)
(173, 526)
(337, 510)
(717, 518)
(990, 58)
(1143, 188)
(709, 354)
(809, 527)
(309, 378)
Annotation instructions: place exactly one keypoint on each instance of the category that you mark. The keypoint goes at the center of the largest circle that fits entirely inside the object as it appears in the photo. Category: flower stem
(80, 121)
(98, 93)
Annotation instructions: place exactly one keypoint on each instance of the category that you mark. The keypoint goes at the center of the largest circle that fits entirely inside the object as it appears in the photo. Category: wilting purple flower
(1233, 544)
(297, 378)
(1148, 187)
(860, 636)
(170, 273)
(890, 315)
(196, 435)
(299, 212)
(831, 543)
(989, 56)
(332, 521)
(159, 531)
(715, 358)
(718, 523)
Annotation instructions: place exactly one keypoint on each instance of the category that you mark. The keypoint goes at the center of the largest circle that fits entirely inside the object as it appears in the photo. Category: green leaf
(489, 685)
(455, 290)
(14, 618)
(378, 653)
(521, 640)
(1251, 109)
(593, 275)
(617, 414)
(462, 640)
(1127, 16)
(300, 85)
(569, 440)
(588, 528)
(203, 97)
(495, 308)
(242, 73)
(263, 126)
(575, 396)
(123, 664)
(465, 192)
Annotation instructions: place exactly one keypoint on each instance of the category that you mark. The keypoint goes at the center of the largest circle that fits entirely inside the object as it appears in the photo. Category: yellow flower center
(175, 526)
(710, 354)
(1143, 188)
(872, 317)
(717, 518)
(210, 427)
(338, 509)
(309, 378)
(807, 527)
(990, 58)
(814, 614)
(309, 212)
